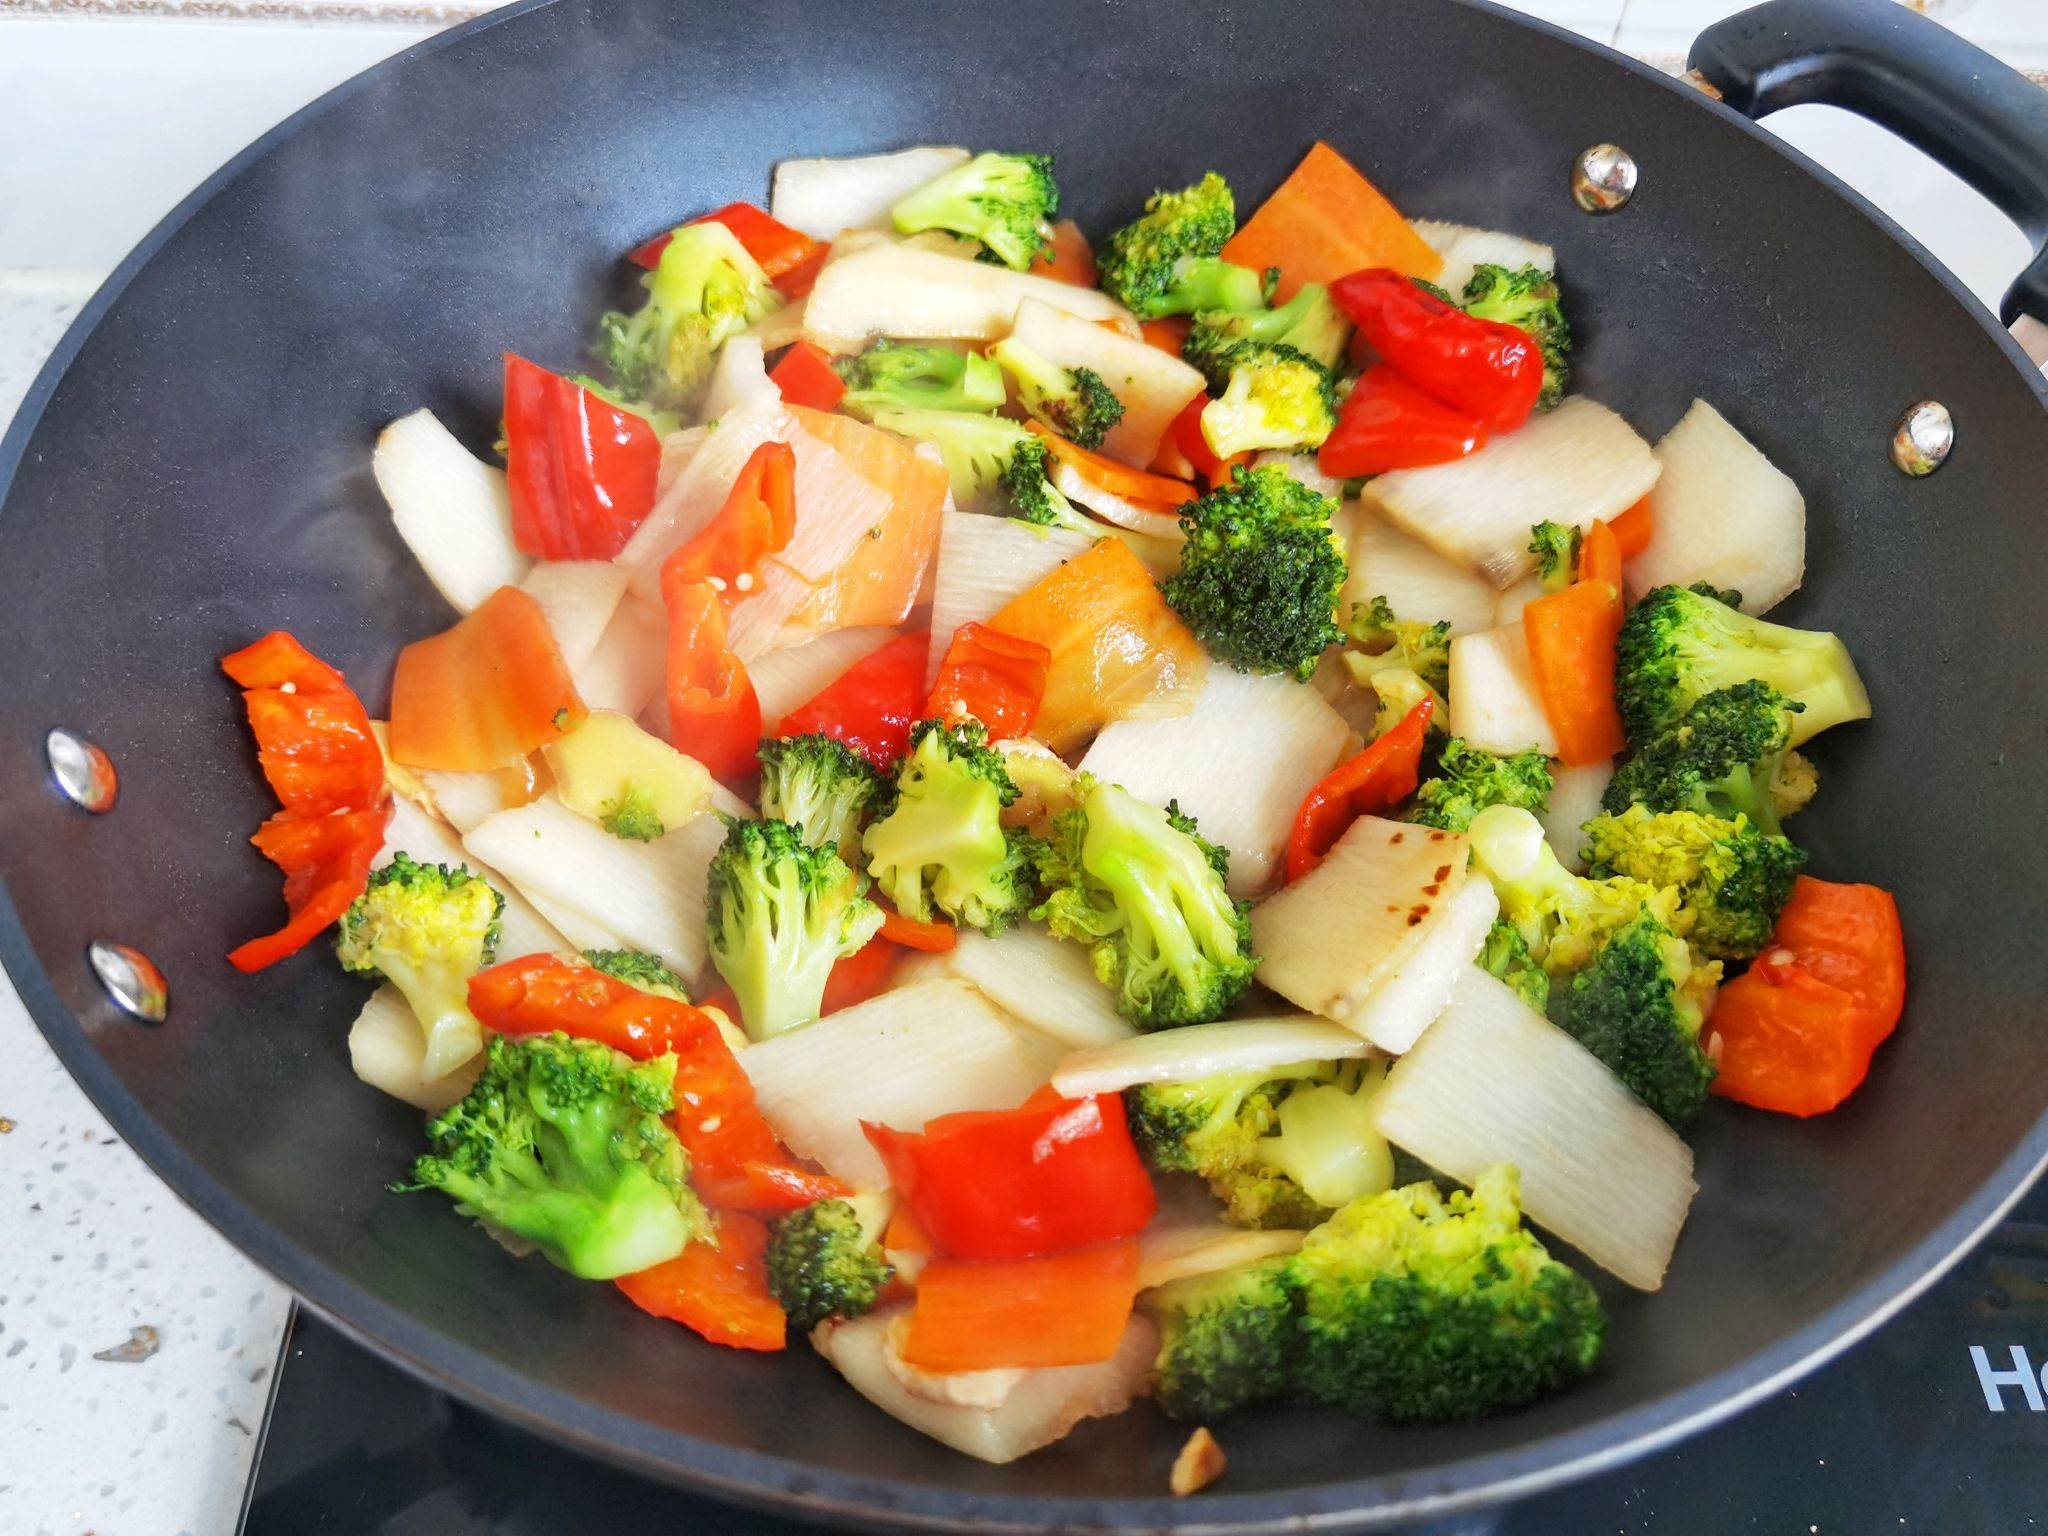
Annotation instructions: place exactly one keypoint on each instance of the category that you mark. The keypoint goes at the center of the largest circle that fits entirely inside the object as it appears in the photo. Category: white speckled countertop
(136, 1347)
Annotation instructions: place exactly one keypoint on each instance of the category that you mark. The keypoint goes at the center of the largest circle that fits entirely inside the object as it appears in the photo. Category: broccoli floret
(1279, 1149)
(1562, 917)
(705, 288)
(1793, 784)
(426, 928)
(1505, 956)
(1260, 572)
(638, 969)
(1146, 891)
(1005, 201)
(1719, 759)
(1310, 323)
(1165, 262)
(780, 913)
(1424, 649)
(1227, 1338)
(990, 459)
(942, 842)
(1679, 645)
(820, 786)
(823, 1261)
(1469, 780)
(1267, 396)
(1638, 1007)
(563, 1142)
(1526, 298)
(891, 375)
(632, 816)
(1556, 548)
(1074, 402)
(1407, 1305)
(1731, 876)
(1426, 1310)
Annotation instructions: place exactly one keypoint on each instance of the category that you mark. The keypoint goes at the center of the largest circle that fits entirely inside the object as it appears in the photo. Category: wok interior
(201, 476)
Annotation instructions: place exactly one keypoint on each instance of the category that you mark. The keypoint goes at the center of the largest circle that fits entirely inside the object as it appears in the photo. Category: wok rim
(792, 1487)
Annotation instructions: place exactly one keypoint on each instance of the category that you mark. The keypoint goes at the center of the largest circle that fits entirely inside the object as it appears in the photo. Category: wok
(192, 470)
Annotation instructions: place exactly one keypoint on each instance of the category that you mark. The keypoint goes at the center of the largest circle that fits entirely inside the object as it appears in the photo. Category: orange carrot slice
(1058, 1309)
(1327, 220)
(482, 695)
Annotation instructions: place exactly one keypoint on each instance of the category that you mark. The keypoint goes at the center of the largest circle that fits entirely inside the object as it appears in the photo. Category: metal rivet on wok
(83, 772)
(131, 979)
(1923, 437)
(1603, 178)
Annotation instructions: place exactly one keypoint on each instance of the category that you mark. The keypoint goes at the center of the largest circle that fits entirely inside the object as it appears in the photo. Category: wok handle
(1981, 118)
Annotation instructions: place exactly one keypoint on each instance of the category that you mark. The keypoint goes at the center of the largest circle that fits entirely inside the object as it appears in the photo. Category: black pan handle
(1981, 118)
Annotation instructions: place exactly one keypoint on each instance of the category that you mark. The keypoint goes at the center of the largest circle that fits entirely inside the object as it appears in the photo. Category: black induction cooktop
(1936, 1424)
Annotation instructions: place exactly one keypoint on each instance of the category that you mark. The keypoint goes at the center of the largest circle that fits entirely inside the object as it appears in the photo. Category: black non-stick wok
(192, 470)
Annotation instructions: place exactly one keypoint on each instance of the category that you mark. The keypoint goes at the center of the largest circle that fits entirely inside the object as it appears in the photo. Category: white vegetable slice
(1180, 1250)
(1153, 387)
(1039, 1410)
(1196, 1051)
(578, 598)
(1574, 800)
(1722, 513)
(1046, 982)
(1572, 465)
(1417, 582)
(983, 563)
(823, 197)
(1240, 763)
(1396, 1015)
(625, 669)
(1331, 940)
(1154, 537)
(1494, 1082)
(739, 380)
(420, 837)
(387, 1051)
(452, 510)
(894, 290)
(1508, 606)
(645, 895)
(1464, 247)
(795, 674)
(1494, 702)
(900, 1059)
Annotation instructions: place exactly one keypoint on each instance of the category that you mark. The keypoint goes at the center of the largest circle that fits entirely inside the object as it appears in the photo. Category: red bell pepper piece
(927, 938)
(991, 677)
(1571, 635)
(789, 257)
(735, 1160)
(1377, 779)
(806, 377)
(1481, 367)
(313, 741)
(326, 863)
(717, 1289)
(855, 978)
(714, 714)
(580, 471)
(312, 733)
(1795, 1032)
(757, 519)
(1055, 1309)
(872, 704)
(1049, 1175)
(1387, 423)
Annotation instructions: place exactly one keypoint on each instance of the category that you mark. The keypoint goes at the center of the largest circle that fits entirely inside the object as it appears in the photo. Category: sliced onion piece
(1046, 982)
(983, 563)
(823, 197)
(1572, 465)
(1396, 1015)
(1196, 1051)
(795, 674)
(1574, 800)
(1722, 513)
(739, 380)
(1492, 1081)
(1152, 386)
(1463, 248)
(387, 1051)
(522, 930)
(1417, 582)
(578, 598)
(1494, 701)
(453, 511)
(897, 290)
(624, 671)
